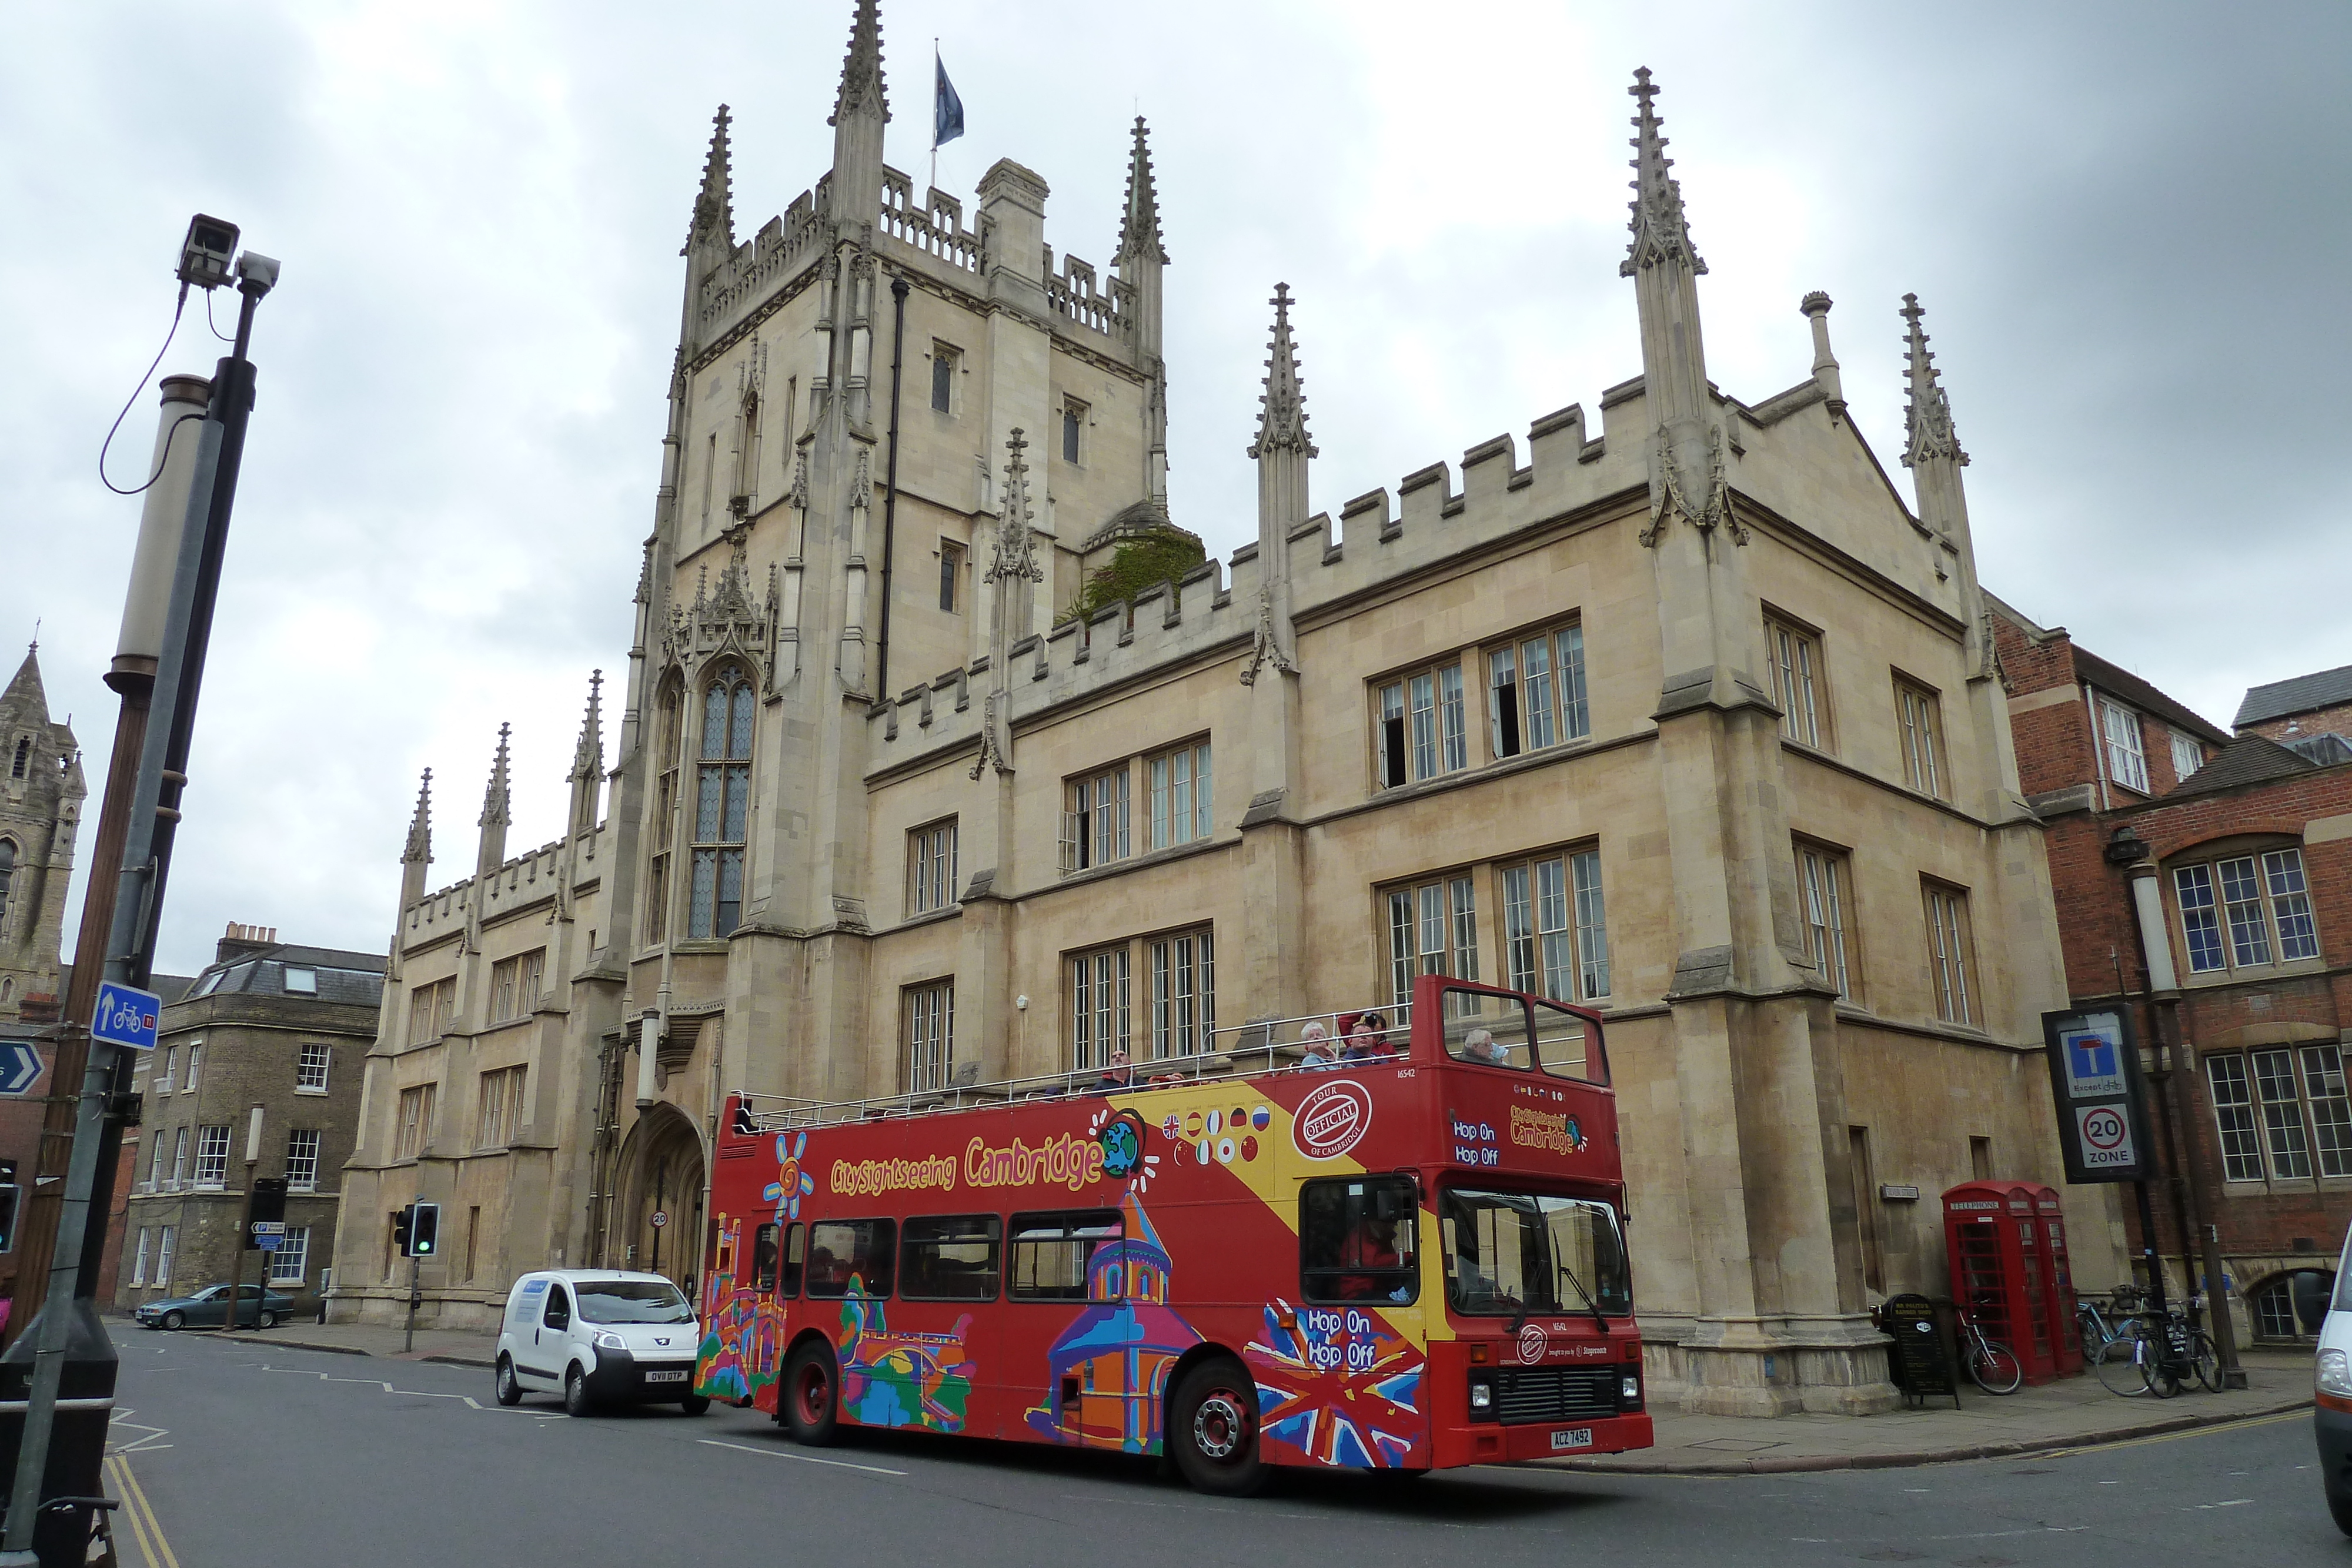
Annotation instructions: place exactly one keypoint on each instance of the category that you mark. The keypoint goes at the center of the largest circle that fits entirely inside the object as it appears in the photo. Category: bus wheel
(809, 1399)
(1213, 1429)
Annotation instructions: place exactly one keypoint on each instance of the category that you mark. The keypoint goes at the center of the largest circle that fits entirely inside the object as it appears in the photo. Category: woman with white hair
(1316, 1054)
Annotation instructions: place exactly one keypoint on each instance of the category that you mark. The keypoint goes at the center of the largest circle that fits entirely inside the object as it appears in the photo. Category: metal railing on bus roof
(1260, 1046)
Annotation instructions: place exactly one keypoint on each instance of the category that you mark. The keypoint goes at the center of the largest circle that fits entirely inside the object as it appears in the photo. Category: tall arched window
(667, 725)
(23, 757)
(8, 875)
(722, 800)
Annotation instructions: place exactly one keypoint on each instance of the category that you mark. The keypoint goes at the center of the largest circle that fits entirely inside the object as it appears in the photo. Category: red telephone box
(1992, 1239)
(2058, 1282)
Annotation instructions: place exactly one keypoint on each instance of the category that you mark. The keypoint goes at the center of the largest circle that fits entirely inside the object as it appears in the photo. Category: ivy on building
(1136, 564)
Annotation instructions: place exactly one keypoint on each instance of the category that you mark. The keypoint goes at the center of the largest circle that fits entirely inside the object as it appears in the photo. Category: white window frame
(1950, 952)
(299, 1161)
(1536, 692)
(163, 1255)
(1919, 714)
(1824, 884)
(162, 1081)
(180, 1160)
(1555, 928)
(195, 1066)
(155, 1165)
(926, 1014)
(932, 867)
(1433, 930)
(2119, 735)
(1431, 707)
(212, 1153)
(2246, 910)
(2188, 754)
(1180, 783)
(411, 1134)
(1101, 989)
(138, 1261)
(1183, 971)
(1800, 679)
(291, 1262)
(2282, 1113)
(313, 1060)
(1097, 818)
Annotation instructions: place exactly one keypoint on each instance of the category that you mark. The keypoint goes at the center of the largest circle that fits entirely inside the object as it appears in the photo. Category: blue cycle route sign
(126, 1016)
(20, 1066)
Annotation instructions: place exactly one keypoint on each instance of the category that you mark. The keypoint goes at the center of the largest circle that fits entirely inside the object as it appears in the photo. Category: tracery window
(722, 800)
(669, 723)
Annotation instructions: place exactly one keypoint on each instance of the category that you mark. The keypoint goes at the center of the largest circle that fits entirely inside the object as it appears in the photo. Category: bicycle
(2158, 1353)
(1992, 1365)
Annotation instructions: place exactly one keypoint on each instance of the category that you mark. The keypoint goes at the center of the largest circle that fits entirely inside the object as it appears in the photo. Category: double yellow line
(139, 1514)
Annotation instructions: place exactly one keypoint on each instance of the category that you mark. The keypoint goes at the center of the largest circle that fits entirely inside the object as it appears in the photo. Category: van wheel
(575, 1395)
(811, 1402)
(509, 1391)
(695, 1403)
(1213, 1429)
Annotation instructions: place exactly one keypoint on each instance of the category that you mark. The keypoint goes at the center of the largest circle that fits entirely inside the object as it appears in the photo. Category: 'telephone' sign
(2094, 1078)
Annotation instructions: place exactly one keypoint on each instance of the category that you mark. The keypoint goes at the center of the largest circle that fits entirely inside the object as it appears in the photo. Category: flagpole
(936, 67)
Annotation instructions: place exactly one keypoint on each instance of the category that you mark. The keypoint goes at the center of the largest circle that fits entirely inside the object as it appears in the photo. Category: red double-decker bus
(1339, 1242)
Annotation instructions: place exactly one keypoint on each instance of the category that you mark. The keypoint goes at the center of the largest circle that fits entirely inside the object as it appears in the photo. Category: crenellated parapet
(512, 884)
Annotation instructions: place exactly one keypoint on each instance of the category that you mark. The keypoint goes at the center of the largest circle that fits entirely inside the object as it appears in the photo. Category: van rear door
(541, 1333)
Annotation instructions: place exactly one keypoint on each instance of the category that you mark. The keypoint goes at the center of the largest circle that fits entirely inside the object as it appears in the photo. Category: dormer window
(301, 982)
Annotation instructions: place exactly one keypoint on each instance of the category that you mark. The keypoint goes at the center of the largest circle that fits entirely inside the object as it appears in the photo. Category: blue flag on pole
(947, 109)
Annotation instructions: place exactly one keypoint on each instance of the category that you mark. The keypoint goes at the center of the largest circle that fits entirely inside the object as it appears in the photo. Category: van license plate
(1574, 1437)
(679, 1377)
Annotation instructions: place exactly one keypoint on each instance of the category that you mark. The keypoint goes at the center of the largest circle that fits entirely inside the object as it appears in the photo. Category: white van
(2332, 1402)
(598, 1336)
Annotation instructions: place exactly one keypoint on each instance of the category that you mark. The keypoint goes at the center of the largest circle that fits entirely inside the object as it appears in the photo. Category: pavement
(2073, 1412)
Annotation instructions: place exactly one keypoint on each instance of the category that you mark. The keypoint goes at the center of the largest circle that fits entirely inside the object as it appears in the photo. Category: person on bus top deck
(1368, 1037)
(1480, 1045)
(1114, 1075)
(1316, 1054)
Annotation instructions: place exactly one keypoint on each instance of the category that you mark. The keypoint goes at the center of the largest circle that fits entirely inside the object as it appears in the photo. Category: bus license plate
(679, 1377)
(1574, 1437)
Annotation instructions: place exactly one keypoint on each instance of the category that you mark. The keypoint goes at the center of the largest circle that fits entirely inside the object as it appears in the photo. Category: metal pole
(129, 958)
(410, 1343)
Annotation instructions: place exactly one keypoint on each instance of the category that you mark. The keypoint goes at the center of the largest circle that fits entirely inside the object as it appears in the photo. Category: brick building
(2235, 856)
(2299, 710)
(267, 1026)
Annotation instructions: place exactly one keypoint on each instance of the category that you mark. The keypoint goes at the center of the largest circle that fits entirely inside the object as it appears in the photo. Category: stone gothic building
(1678, 708)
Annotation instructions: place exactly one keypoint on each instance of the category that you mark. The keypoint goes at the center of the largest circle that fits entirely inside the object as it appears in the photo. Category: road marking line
(2175, 1436)
(148, 1527)
(366, 1382)
(803, 1459)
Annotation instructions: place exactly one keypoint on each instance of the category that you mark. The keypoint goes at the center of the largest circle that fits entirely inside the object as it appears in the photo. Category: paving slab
(2073, 1412)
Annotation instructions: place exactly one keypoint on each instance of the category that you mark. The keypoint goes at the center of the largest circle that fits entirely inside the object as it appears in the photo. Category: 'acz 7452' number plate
(1574, 1437)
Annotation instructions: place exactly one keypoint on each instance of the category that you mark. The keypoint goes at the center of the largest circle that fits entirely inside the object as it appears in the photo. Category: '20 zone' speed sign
(2106, 1137)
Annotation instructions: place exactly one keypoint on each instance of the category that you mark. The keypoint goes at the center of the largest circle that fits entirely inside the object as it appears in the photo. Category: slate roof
(2249, 759)
(354, 979)
(2328, 688)
(2136, 693)
(2324, 750)
(171, 987)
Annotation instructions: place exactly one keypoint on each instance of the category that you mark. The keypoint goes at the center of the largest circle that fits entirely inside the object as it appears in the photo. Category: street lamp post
(245, 1231)
(153, 815)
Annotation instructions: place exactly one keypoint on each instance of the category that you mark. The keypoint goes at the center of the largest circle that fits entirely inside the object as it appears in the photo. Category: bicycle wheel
(1996, 1367)
(2118, 1369)
(2206, 1360)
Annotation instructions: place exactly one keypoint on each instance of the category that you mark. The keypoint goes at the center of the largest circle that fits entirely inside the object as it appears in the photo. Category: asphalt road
(249, 1453)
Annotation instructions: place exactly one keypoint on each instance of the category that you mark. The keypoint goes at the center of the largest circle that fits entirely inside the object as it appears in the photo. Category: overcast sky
(2127, 223)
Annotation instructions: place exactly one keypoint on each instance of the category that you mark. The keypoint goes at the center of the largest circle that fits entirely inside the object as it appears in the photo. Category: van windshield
(632, 1301)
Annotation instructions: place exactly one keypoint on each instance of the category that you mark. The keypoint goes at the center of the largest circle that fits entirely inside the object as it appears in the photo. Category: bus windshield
(632, 1301)
(1513, 1252)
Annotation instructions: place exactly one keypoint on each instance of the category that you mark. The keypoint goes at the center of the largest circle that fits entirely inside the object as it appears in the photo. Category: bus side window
(763, 1259)
(950, 1258)
(1053, 1254)
(1357, 1239)
(795, 1241)
(847, 1251)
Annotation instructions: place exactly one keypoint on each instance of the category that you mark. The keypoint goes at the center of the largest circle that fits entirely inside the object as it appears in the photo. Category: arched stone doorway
(665, 1174)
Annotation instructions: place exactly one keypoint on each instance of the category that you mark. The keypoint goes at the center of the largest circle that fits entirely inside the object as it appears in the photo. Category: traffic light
(424, 1229)
(266, 1206)
(400, 1230)
(9, 1193)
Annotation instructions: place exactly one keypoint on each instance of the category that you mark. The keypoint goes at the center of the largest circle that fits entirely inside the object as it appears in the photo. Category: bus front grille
(1532, 1393)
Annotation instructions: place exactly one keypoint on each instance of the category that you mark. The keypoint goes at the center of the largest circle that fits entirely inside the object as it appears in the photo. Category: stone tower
(41, 792)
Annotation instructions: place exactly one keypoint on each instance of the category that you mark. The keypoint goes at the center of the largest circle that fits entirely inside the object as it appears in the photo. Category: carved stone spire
(1139, 228)
(1012, 572)
(1282, 412)
(1016, 551)
(861, 74)
(714, 205)
(1660, 231)
(1927, 420)
(588, 758)
(497, 807)
(418, 855)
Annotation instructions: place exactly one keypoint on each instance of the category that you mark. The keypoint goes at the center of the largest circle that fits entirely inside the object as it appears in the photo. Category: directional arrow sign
(20, 1066)
(126, 1016)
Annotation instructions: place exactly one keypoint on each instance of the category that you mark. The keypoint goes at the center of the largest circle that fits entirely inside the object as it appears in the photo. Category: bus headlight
(2335, 1372)
(1482, 1399)
(1629, 1391)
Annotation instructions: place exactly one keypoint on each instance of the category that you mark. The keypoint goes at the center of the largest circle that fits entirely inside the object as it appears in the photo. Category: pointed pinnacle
(714, 204)
(861, 72)
(496, 797)
(1282, 407)
(420, 824)
(588, 758)
(1928, 413)
(1139, 230)
(1661, 232)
